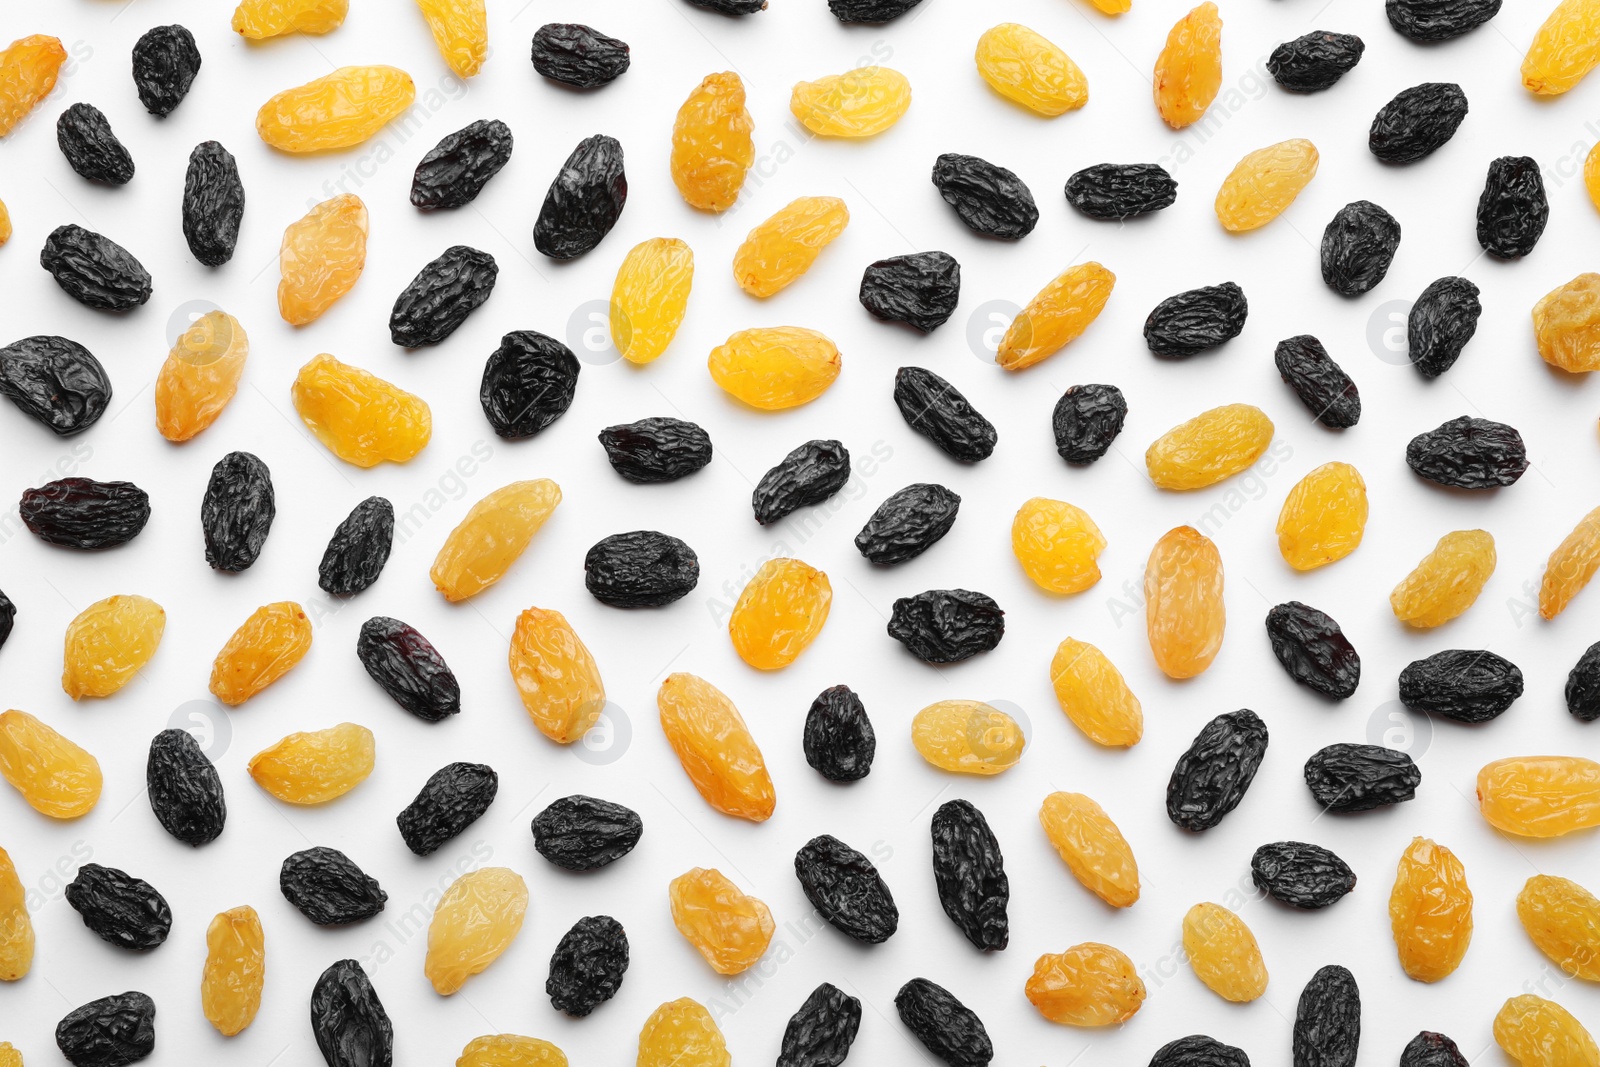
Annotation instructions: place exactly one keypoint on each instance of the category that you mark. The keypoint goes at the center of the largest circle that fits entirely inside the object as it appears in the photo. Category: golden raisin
(1087, 985)
(1571, 565)
(1264, 183)
(200, 376)
(1563, 920)
(461, 30)
(1566, 324)
(1210, 447)
(1093, 848)
(1056, 316)
(1540, 796)
(775, 367)
(510, 1050)
(1430, 911)
(1323, 517)
(28, 69)
(1184, 612)
(1189, 68)
(1541, 1033)
(1094, 696)
(967, 737)
(337, 110)
(10, 1055)
(495, 533)
(1224, 953)
(16, 928)
(1447, 581)
(235, 970)
(555, 675)
(681, 1033)
(108, 643)
(782, 248)
(779, 614)
(361, 418)
(5, 223)
(731, 930)
(1024, 67)
(1591, 174)
(1112, 7)
(55, 776)
(711, 146)
(1057, 544)
(650, 297)
(259, 19)
(857, 103)
(474, 922)
(715, 748)
(315, 767)
(1565, 48)
(272, 640)
(321, 257)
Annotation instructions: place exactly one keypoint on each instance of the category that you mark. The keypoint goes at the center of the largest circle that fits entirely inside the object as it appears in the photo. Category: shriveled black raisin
(839, 741)
(584, 201)
(407, 666)
(845, 888)
(86, 514)
(94, 270)
(659, 449)
(528, 383)
(580, 833)
(991, 200)
(588, 965)
(1438, 20)
(358, 549)
(1440, 324)
(1315, 61)
(1313, 649)
(1087, 420)
(1583, 686)
(921, 289)
(909, 523)
(110, 1032)
(945, 1026)
(1467, 685)
(1352, 778)
(870, 10)
(441, 296)
(579, 55)
(123, 910)
(348, 1020)
(56, 382)
(947, 625)
(328, 888)
(1301, 875)
(165, 62)
(185, 789)
(938, 411)
(1429, 1049)
(1417, 122)
(1469, 453)
(1358, 246)
(1513, 209)
(808, 475)
(731, 7)
(8, 618)
(213, 204)
(1121, 190)
(970, 874)
(821, 1032)
(1197, 320)
(452, 799)
(1198, 1050)
(640, 569)
(1213, 774)
(456, 169)
(1327, 1020)
(237, 511)
(84, 134)
(1320, 383)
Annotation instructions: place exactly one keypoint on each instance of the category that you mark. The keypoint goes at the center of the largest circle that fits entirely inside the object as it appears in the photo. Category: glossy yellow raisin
(730, 929)
(967, 737)
(715, 748)
(1563, 920)
(1264, 183)
(711, 145)
(510, 1050)
(1566, 324)
(10, 1055)
(315, 767)
(28, 69)
(1087, 985)
(858, 103)
(779, 614)
(235, 970)
(1184, 612)
(108, 643)
(461, 30)
(555, 675)
(337, 110)
(1536, 1032)
(1591, 174)
(1565, 48)
(474, 922)
(1189, 68)
(1025, 67)
(16, 928)
(1540, 796)
(259, 19)
(775, 367)
(272, 640)
(1210, 447)
(650, 297)
(1112, 7)
(1056, 316)
(492, 537)
(1094, 696)
(681, 1033)
(782, 248)
(1057, 544)
(1224, 953)
(1430, 911)
(1323, 517)
(5, 223)
(1571, 566)
(1447, 581)
(361, 418)
(55, 776)
(1093, 848)
(321, 257)
(200, 376)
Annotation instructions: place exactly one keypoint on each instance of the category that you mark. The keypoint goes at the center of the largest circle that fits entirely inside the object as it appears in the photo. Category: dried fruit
(1184, 611)
(947, 625)
(91, 148)
(55, 776)
(921, 289)
(1417, 122)
(16, 928)
(1224, 953)
(213, 204)
(1324, 517)
(1088, 985)
(1447, 581)
(1094, 696)
(1513, 209)
(528, 383)
(945, 1026)
(1320, 383)
(731, 7)
(348, 1019)
(846, 889)
(717, 752)
(1566, 323)
(358, 549)
(1313, 650)
(1327, 1020)
(1357, 247)
(654, 450)
(848, 11)
(1213, 774)
(858, 103)
(776, 367)
(1438, 20)
(28, 69)
(681, 1033)
(1189, 69)
(1023, 66)
(317, 766)
(56, 382)
(456, 169)
(358, 416)
(498, 529)
(165, 62)
(1192, 322)
(970, 874)
(266, 647)
(642, 569)
(1541, 1033)
(235, 970)
(441, 296)
(1087, 420)
(908, 523)
(967, 737)
(588, 965)
(1563, 920)
(94, 270)
(821, 1032)
(453, 798)
(780, 612)
(1430, 911)
(649, 297)
(1540, 796)
(1429, 1049)
(510, 1050)
(938, 411)
(779, 250)
(555, 675)
(408, 668)
(85, 514)
(578, 55)
(808, 475)
(236, 512)
(1461, 684)
(1353, 778)
(474, 922)
(584, 201)
(1583, 686)
(110, 1032)
(259, 19)
(1563, 49)
(200, 375)
(990, 199)
(1120, 191)
(1198, 1050)
(1056, 316)
(8, 618)
(337, 110)
(1301, 875)
(108, 643)
(1440, 324)
(1057, 545)
(838, 740)
(1210, 447)
(327, 887)
(122, 910)
(184, 788)
(461, 30)
(321, 258)
(1315, 61)
(1092, 847)
(711, 145)
(580, 833)
(730, 929)
(1264, 183)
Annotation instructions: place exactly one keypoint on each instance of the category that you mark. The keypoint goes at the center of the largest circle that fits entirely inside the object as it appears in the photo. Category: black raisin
(1513, 210)
(8, 618)
(1121, 190)
(660, 449)
(821, 1032)
(441, 296)
(580, 833)
(921, 289)
(1320, 383)
(1358, 246)
(584, 201)
(1417, 122)
(451, 800)
(1313, 649)
(213, 204)
(83, 513)
(937, 410)
(945, 1026)
(407, 666)
(846, 890)
(1583, 686)
(165, 62)
(56, 382)
(1429, 1049)
(1194, 321)
(1440, 324)
(109, 1032)
(1469, 453)
(947, 625)
(1327, 1020)
(455, 170)
(328, 888)
(870, 10)
(237, 511)
(1467, 685)
(1438, 20)
(641, 569)
(1198, 1050)
(989, 199)
(1314, 61)
(1301, 875)
(528, 383)
(348, 1019)
(358, 549)
(1087, 420)
(839, 741)
(808, 475)
(1352, 778)
(94, 270)
(185, 789)
(1213, 774)
(123, 910)
(970, 874)
(588, 965)
(92, 149)
(578, 55)
(909, 523)
(731, 7)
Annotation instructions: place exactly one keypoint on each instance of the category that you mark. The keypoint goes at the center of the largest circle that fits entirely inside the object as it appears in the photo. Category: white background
(894, 210)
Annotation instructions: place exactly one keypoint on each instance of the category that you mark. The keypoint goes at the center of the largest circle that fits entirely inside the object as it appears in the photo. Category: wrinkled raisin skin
(640, 569)
(528, 383)
(908, 523)
(1440, 324)
(165, 62)
(236, 512)
(453, 798)
(920, 290)
(441, 296)
(185, 790)
(808, 475)
(1327, 1020)
(1315, 61)
(580, 833)
(1313, 649)
(94, 270)
(937, 410)
(407, 666)
(1469, 453)
(1467, 685)
(8, 618)
(1513, 210)
(1198, 1050)
(1320, 383)
(455, 170)
(821, 1032)
(846, 890)
(1417, 122)
(1429, 1049)
(213, 204)
(731, 7)
(85, 514)
(1087, 420)
(1438, 20)
(947, 625)
(1118, 191)
(1301, 875)
(655, 450)
(945, 1026)
(1583, 686)
(358, 549)
(1347, 778)
(110, 1032)
(839, 741)
(56, 382)
(588, 965)
(91, 148)
(870, 10)
(970, 874)
(1358, 246)
(349, 1022)
(578, 55)
(991, 200)
(122, 910)
(328, 888)
(1213, 774)
(584, 201)
(1195, 321)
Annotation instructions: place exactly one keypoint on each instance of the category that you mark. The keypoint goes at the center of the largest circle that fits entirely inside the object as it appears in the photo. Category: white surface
(894, 210)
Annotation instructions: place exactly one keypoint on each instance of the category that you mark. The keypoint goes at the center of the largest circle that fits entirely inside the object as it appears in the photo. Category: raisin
(86, 514)
(1566, 323)
(91, 148)
(1212, 446)
(1357, 247)
(1313, 650)
(1429, 1049)
(1417, 122)
(1563, 50)
(555, 675)
(650, 297)
(1320, 383)
(779, 250)
(122, 910)
(321, 258)
(236, 512)
(1438, 20)
(858, 103)
(1056, 316)
(1430, 911)
(259, 19)
(16, 928)
(1582, 690)
(846, 889)
(1540, 796)
(1447, 581)
(185, 789)
(588, 965)
(200, 375)
(1469, 453)
(908, 523)
(808, 475)
(1025, 67)
(358, 549)
(108, 643)
(970, 874)
(1315, 61)
(578, 55)
(454, 171)
(109, 1032)
(821, 1032)
(165, 62)
(1513, 210)
(727, 927)
(775, 368)
(1348, 778)
(441, 296)
(1563, 920)
(528, 383)
(452, 799)
(328, 888)
(213, 204)
(1198, 1050)
(1120, 191)
(28, 69)
(1184, 611)
(1188, 71)
(317, 766)
(8, 618)
(56, 382)
(235, 970)
(715, 747)
(460, 30)
(838, 740)
(1092, 847)
(938, 411)
(868, 11)
(731, 7)
(1087, 420)
(711, 146)
(1088, 985)
(1057, 545)
(947, 1028)
(947, 625)
(1195, 321)
(780, 612)
(1461, 684)
(681, 1032)
(348, 1019)
(337, 110)
(408, 668)
(642, 569)
(263, 649)
(1324, 517)
(921, 289)
(1213, 774)
(661, 449)
(1094, 696)
(1224, 953)
(585, 200)
(991, 200)
(55, 776)
(580, 833)
(95, 270)
(475, 921)
(1301, 875)
(1541, 1033)
(1327, 1020)
(1264, 183)
(967, 737)
(498, 529)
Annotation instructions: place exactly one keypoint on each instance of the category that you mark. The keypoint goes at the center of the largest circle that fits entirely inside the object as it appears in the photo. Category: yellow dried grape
(321, 258)
(1056, 316)
(235, 970)
(474, 922)
(1562, 919)
(510, 1050)
(1430, 911)
(337, 110)
(782, 248)
(358, 416)
(1540, 796)
(493, 536)
(316, 766)
(1184, 612)
(1591, 174)
(717, 752)
(1264, 183)
(1223, 953)
(1092, 847)
(200, 376)
(1570, 566)
(1536, 1032)
(1057, 544)
(5, 223)
(1094, 695)
(1447, 581)
(681, 1033)
(779, 613)
(1189, 69)
(858, 103)
(967, 737)
(650, 297)
(259, 19)
(1112, 7)
(555, 675)
(1023, 66)
(711, 145)
(16, 927)
(1565, 48)
(28, 70)
(1323, 517)
(266, 647)
(108, 643)
(1566, 325)
(1089, 985)
(729, 928)
(10, 1055)
(461, 30)
(775, 367)
(1209, 448)
(55, 776)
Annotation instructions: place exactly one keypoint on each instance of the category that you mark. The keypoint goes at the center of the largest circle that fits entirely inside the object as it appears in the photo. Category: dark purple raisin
(1301, 875)
(580, 833)
(921, 289)
(83, 513)
(165, 62)
(870, 10)
(947, 625)
(731, 7)
(328, 888)
(407, 666)
(184, 788)
(1469, 453)
(584, 201)
(1327, 1020)
(123, 910)
(945, 1026)
(808, 475)
(660, 449)
(937, 410)
(1320, 383)
(455, 170)
(1119, 191)
(1440, 324)
(1197, 320)
(970, 874)
(213, 204)
(1087, 420)
(1358, 246)
(92, 149)
(1213, 774)
(348, 1020)
(579, 55)
(1438, 20)
(1429, 1049)
(451, 800)
(358, 549)
(1198, 1050)
(237, 511)
(94, 270)
(1313, 649)
(839, 741)
(1315, 61)
(441, 296)
(588, 965)
(1467, 685)
(1417, 122)
(110, 1032)
(56, 382)
(528, 383)
(1513, 210)
(640, 569)
(907, 524)
(991, 200)
(846, 890)
(1583, 686)
(1353, 778)
(8, 618)
(821, 1032)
